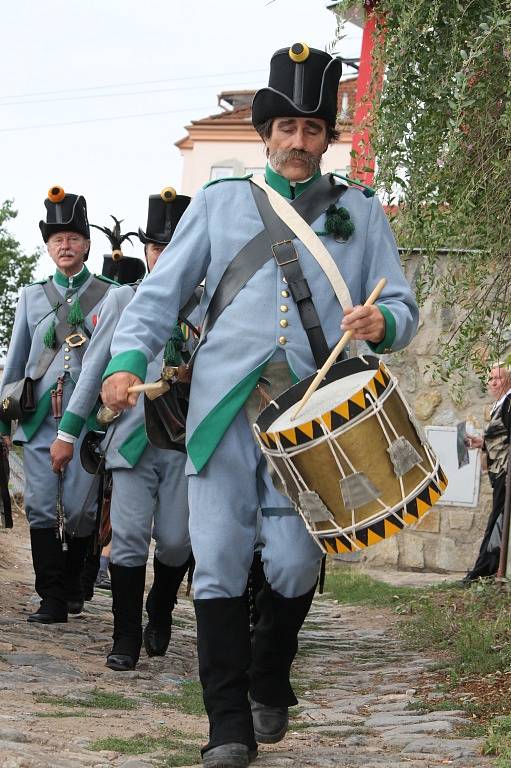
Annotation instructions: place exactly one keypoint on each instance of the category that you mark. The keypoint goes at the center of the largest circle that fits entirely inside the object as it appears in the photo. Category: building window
(254, 171)
(345, 106)
(221, 172)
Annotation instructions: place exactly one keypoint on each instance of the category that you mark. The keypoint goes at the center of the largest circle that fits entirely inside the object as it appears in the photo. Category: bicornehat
(163, 215)
(303, 82)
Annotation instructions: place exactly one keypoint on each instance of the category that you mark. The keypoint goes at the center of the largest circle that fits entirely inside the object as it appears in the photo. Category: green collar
(76, 280)
(283, 186)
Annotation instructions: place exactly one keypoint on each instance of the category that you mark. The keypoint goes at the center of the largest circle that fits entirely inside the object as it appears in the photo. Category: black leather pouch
(18, 400)
(165, 418)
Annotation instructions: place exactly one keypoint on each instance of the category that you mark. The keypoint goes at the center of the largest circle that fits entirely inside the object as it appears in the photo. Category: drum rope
(386, 417)
(379, 416)
(295, 474)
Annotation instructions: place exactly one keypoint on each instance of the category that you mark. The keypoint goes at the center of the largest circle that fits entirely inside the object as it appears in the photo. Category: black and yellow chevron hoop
(373, 533)
(333, 419)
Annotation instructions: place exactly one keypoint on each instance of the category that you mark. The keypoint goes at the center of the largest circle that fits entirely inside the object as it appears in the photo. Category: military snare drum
(355, 462)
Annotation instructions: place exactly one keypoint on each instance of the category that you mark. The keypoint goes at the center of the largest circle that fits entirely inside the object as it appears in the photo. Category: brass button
(283, 323)
(66, 366)
(284, 294)
(69, 300)
(282, 340)
(66, 349)
(283, 307)
(67, 357)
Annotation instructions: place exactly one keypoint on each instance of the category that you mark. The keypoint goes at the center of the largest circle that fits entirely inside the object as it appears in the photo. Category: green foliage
(441, 130)
(16, 270)
(498, 741)
(473, 626)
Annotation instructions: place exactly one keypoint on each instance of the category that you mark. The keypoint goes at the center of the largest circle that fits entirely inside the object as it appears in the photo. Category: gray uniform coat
(218, 223)
(34, 314)
(229, 480)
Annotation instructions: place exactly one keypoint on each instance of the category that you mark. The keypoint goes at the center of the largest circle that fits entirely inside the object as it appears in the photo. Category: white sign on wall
(463, 486)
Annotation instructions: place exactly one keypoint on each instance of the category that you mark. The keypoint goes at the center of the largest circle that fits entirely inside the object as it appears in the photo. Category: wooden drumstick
(152, 386)
(152, 389)
(334, 354)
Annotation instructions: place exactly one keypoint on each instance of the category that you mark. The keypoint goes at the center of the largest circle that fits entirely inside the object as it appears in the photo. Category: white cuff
(66, 438)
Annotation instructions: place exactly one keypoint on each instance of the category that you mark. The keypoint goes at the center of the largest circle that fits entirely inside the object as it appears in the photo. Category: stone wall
(447, 538)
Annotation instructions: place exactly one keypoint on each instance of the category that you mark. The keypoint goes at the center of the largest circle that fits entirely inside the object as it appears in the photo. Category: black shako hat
(65, 212)
(129, 269)
(163, 215)
(303, 82)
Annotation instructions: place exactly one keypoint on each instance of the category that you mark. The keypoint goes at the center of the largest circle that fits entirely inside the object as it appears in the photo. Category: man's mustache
(287, 155)
(280, 157)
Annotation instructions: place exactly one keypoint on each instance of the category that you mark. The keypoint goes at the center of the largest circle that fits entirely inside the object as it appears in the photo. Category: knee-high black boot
(89, 572)
(77, 548)
(223, 645)
(274, 646)
(159, 605)
(127, 601)
(49, 566)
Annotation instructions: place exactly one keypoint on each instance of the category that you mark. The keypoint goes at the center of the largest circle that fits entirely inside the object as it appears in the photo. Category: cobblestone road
(60, 707)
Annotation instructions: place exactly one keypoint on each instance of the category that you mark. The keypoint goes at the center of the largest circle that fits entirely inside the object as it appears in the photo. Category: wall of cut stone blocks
(447, 538)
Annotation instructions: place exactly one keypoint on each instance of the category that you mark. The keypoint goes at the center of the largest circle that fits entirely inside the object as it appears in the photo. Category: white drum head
(322, 400)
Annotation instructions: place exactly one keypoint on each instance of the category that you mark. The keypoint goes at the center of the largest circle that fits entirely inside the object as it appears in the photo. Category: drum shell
(362, 441)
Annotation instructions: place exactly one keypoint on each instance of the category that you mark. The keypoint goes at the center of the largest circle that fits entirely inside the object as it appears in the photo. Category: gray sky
(74, 73)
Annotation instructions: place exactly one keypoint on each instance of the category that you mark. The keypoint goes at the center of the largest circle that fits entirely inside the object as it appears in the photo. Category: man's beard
(280, 157)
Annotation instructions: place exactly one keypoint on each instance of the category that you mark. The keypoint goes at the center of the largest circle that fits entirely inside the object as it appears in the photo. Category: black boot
(159, 605)
(127, 601)
(89, 572)
(274, 647)
(49, 564)
(77, 549)
(256, 581)
(223, 645)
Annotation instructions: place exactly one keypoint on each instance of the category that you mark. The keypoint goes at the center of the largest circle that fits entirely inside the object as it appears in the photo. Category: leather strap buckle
(76, 339)
(284, 259)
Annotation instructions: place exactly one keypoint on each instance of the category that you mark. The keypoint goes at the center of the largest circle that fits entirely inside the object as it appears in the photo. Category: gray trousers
(150, 498)
(41, 482)
(224, 501)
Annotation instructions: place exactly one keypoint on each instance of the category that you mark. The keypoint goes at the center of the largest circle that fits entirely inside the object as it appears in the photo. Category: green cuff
(133, 361)
(385, 345)
(5, 429)
(91, 423)
(71, 424)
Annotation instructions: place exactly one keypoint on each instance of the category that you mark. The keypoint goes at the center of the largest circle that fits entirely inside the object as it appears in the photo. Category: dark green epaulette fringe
(366, 190)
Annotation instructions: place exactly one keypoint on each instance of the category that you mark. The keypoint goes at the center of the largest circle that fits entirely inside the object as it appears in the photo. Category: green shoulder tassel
(174, 347)
(338, 222)
(75, 315)
(49, 338)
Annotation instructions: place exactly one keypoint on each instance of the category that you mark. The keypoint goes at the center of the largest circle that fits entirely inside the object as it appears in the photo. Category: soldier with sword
(54, 322)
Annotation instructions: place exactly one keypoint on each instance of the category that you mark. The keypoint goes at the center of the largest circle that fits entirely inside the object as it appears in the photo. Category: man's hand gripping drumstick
(360, 323)
(121, 390)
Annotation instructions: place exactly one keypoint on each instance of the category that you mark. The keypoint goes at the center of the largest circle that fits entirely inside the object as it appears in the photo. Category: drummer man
(247, 690)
